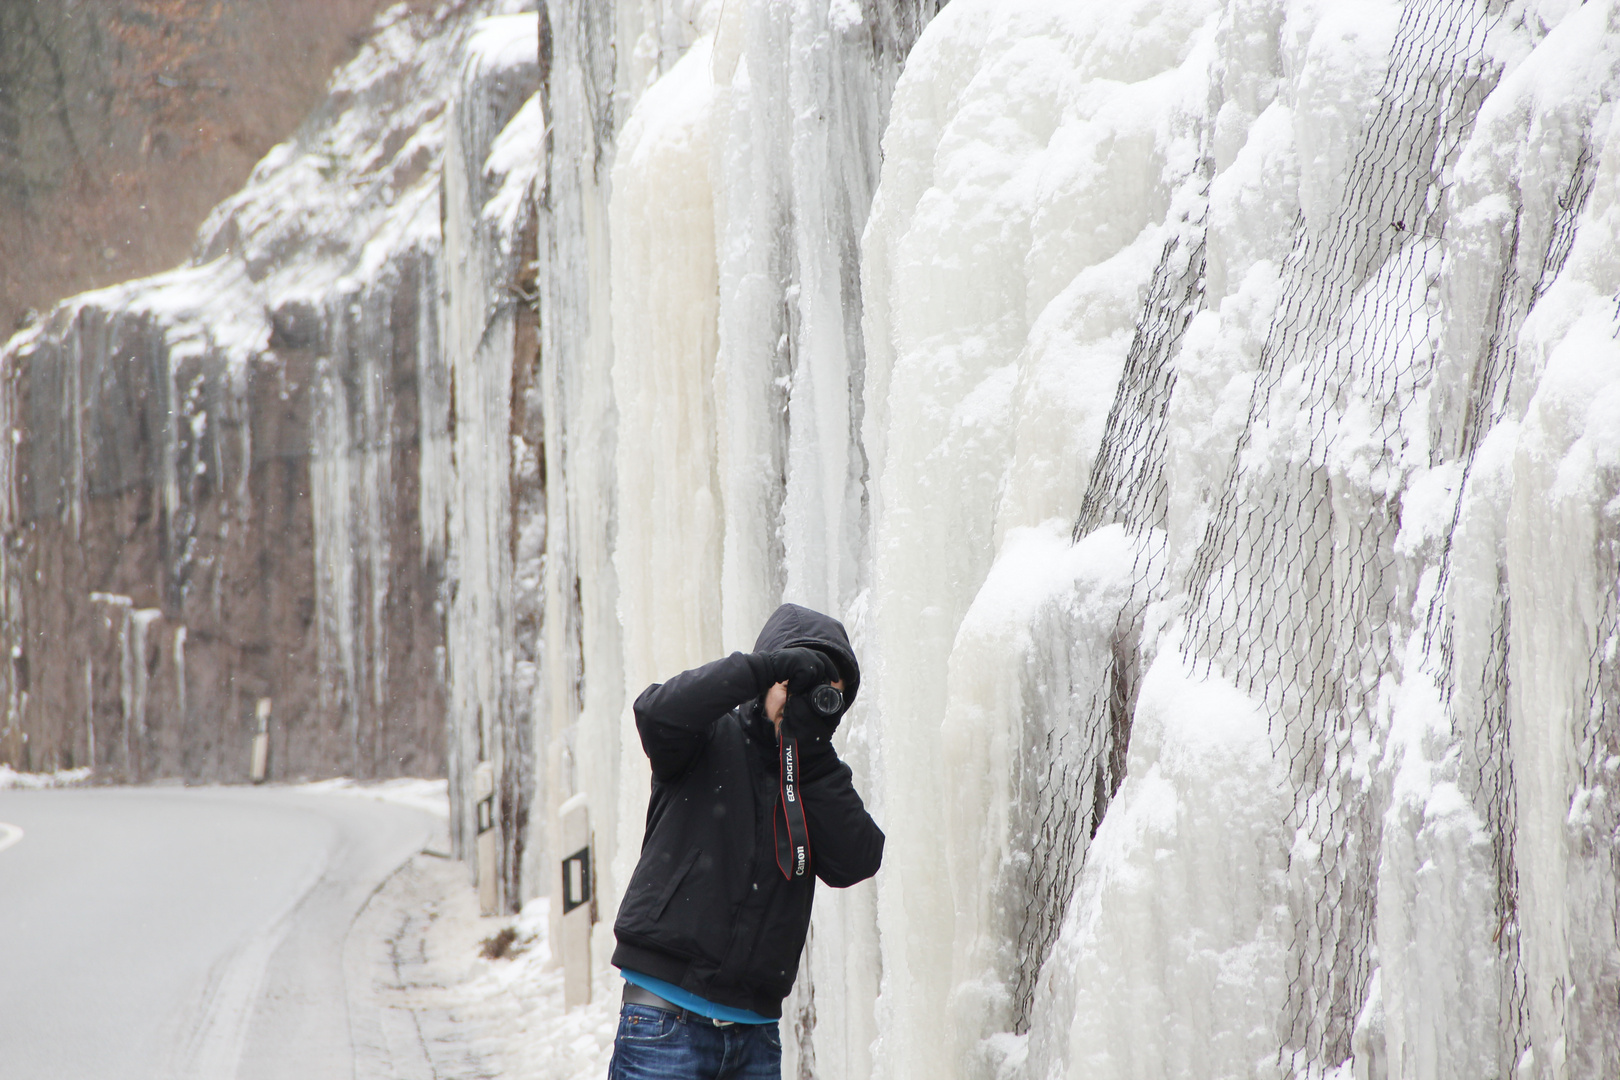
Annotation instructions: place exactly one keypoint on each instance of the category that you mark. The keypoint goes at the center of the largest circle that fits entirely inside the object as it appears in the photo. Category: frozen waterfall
(1221, 488)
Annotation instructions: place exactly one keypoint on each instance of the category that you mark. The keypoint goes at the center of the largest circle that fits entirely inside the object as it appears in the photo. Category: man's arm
(846, 845)
(675, 718)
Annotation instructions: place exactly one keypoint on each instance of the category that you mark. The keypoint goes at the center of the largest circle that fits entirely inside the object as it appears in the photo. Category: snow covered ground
(504, 1014)
(522, 998)
(508, 1009)
(477, 1015)
(472, 1014)
(11, 778)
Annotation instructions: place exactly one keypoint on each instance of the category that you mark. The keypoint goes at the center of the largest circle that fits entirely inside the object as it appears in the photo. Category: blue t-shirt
(691, 1002)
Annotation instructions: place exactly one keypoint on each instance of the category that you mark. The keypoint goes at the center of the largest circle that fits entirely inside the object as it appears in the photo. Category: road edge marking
(9, 834)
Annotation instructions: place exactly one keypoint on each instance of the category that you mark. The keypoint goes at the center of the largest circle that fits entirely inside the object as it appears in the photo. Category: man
(750, 804)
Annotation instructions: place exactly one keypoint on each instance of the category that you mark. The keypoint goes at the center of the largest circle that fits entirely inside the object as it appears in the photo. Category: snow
(423, 794)
(1172, 956)
(515, 157)
(544, 1040)
(28, 781)
(502, 43)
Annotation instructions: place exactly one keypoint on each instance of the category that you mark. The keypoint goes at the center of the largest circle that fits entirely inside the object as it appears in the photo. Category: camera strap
(788, 823)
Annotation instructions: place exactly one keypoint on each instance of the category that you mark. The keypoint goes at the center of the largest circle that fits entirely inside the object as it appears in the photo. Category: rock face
(230, 482)
(103, 105)
(487, 483)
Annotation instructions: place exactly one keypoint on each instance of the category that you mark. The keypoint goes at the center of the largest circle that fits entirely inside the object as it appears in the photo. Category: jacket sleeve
(676, 718)
(846, 845)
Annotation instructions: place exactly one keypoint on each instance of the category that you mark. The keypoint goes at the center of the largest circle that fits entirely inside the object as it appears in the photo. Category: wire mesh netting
(1296, 593)
(1078, 731)
(1592, 1002)
(1292, 595)
(1492, 383)
(1481, 718)
(1593, 1010)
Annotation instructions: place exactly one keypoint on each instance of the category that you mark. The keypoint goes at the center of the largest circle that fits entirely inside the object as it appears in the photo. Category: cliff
(227, 482)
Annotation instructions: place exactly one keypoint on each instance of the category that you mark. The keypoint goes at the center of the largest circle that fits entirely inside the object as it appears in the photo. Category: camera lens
(827, 700)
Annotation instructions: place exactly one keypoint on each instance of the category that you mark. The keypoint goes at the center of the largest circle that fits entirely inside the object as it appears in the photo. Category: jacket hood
(791, 626)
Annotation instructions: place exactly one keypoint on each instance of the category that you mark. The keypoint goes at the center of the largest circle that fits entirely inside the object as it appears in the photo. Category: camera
(827, 700)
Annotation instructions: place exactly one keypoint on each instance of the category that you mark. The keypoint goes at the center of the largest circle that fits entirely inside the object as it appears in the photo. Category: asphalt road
(175, 933)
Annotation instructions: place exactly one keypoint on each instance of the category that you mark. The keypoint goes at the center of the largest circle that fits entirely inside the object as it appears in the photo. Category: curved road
(174, 932)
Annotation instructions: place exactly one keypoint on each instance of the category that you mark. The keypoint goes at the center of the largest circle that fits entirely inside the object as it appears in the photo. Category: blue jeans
(656, 1045)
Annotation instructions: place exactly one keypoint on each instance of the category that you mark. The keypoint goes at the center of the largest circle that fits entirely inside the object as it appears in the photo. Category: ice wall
(746, 153)
(1019, 148)
(1170, 488)
(679, 216)
(490, 494)
(1359, 823)
(582, 687)
(665, 294)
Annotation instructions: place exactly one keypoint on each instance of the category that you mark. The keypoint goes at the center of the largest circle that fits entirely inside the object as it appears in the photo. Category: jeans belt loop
(640, 995)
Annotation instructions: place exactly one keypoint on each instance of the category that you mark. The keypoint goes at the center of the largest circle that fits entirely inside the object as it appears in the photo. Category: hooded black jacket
(707, 909)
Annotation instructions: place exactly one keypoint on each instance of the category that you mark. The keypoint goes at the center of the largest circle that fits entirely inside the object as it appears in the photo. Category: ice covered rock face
(1368, 711)
(1232, 542)
(483, 493)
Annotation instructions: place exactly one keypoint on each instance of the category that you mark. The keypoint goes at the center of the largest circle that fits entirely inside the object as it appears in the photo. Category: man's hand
(776, 700)
(801, 668)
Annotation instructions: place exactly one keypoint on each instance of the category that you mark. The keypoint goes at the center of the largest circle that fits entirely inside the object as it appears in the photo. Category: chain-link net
(1127, 484)
(1592, 1002)
(1078, 728)
(1480, 719)
(1292, 595)
(1492, 383)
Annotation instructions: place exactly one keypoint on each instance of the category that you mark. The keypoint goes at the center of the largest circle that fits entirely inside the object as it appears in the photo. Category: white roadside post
(259, 769)
(484, 794)
(575, 893)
